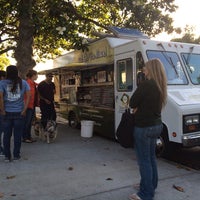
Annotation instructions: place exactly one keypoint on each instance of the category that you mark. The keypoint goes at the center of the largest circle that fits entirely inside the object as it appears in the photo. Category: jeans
(12, 123)
(1, 131)
(28, 123)
(145, 144)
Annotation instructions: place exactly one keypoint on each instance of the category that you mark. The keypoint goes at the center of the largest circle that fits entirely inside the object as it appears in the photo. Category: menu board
(96, 96)
(107, 96)
(100, 96)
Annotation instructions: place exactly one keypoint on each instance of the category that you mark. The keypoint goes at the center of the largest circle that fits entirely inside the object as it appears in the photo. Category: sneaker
(17, 158)
(6, 159)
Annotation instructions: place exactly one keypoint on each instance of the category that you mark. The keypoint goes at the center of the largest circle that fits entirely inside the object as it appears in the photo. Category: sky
(188, 13)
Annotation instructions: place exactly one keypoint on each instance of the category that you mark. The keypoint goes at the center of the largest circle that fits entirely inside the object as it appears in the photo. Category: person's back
(13, 109)
(147, 102)
(149, 111)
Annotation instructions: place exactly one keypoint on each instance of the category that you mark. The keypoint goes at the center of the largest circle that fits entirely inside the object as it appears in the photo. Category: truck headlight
(191, 123)
(192, 119)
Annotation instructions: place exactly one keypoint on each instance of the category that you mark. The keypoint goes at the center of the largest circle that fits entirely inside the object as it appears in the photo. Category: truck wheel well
(166, 147)
(162, 142)
(73, 120)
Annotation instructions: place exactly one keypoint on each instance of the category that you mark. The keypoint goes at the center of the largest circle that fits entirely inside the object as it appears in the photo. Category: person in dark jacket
(147, 102)
(46, 90)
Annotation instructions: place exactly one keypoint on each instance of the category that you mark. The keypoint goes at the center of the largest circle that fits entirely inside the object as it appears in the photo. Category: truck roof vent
(127, 32)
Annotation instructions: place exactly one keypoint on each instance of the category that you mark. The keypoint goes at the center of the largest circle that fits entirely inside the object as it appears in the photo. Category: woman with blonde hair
(147, 102)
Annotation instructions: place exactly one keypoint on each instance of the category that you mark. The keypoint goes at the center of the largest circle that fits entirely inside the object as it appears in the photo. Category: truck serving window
(172, 64)
(192, 63)
(125, 75)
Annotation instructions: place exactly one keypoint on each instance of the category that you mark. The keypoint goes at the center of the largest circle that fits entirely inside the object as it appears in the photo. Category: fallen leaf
(183, 167)
(109, 179)
(13, 195)
(10, 177)
(1, 195)
(178, 188)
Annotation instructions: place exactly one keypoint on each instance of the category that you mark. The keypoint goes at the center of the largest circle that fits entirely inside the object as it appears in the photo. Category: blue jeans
(145, 144)
(1, 131)
(12, 123)
(28, 123)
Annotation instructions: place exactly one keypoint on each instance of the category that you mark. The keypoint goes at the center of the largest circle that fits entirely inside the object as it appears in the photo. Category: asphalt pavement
(77, 168)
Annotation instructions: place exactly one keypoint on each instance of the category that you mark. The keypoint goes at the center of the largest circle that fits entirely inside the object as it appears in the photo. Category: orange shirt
(33, 91)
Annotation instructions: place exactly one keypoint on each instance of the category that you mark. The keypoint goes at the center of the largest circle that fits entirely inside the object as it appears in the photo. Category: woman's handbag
(125, 130)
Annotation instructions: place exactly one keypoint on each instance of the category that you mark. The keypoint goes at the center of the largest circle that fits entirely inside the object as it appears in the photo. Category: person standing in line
(2, 77)
(46, 90)
(147, 102)
(13, 108)
(30, 112)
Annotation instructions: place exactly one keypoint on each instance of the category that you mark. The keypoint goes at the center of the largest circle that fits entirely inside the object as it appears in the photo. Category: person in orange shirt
(30, 112)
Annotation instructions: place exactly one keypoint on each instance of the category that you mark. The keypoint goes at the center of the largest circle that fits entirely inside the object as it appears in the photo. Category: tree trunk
(24, 49)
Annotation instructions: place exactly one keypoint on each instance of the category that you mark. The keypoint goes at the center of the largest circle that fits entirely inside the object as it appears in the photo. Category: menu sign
(101, 96)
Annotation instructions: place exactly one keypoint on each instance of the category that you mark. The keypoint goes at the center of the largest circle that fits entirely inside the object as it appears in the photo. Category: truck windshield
(172, 64)
(192, 62)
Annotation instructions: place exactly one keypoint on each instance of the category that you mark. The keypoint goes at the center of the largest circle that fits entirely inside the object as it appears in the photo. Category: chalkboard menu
(100, 96)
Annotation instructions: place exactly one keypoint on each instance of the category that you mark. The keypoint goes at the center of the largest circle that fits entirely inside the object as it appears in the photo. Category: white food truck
(97, 84)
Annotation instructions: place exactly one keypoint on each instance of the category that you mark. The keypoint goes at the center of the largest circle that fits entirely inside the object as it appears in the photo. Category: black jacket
(146, 99)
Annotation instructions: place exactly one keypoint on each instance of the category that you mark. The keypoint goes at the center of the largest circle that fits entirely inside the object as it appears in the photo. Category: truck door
(124, 85)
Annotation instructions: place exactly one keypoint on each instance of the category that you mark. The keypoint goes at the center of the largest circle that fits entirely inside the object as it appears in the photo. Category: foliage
(4, 61)
(188, 36)
(44, 27)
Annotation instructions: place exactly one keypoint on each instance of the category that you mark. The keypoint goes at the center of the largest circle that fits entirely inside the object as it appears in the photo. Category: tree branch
(6, 50)
(80, 17)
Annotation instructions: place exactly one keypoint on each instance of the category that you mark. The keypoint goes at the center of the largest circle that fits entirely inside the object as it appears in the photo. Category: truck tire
(164, 148)
(73, 121)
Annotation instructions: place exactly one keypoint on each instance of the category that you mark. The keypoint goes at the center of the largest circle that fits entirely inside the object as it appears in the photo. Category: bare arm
(28, 95)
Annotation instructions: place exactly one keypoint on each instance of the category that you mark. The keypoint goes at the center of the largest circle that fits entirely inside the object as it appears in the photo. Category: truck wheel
(73, 121)
(164, 147)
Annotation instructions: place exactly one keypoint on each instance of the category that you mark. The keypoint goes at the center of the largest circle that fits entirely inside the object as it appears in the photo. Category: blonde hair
(156, 72)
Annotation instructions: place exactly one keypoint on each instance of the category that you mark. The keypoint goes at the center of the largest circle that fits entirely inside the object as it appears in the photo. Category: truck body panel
(97, 84)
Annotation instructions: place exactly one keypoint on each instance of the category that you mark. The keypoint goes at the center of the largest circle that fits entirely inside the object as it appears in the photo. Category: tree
(188, 36)
(43, 27)
(4, 61)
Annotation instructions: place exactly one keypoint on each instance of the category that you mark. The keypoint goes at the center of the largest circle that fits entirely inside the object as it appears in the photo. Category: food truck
(97, 84)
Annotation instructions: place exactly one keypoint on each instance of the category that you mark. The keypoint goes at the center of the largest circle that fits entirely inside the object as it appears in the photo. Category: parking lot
(94, 168)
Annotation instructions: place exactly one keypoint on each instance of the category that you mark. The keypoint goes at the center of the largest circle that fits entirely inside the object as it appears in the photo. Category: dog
(48, 134)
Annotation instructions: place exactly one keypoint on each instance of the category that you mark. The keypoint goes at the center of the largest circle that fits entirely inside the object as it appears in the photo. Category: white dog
(48, 134)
